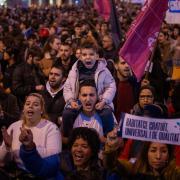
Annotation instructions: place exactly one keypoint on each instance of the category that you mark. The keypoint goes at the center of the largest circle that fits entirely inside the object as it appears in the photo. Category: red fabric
(171, 110)
(127, 148)
(43, 32)
(103, 8)
(177, 155)
(142, 35)
(124, 99)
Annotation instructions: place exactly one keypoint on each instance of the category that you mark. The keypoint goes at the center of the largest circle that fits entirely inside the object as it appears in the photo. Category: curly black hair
(89, 135)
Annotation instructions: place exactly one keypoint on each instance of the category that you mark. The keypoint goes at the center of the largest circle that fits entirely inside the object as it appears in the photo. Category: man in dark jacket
(9, 110)
(53, 94)
(28, 77)
(66, 58)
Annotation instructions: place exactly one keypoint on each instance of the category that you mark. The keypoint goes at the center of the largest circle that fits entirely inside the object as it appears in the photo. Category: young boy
(89, 67)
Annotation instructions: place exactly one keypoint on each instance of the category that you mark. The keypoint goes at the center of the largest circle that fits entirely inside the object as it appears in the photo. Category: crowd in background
(60, 71)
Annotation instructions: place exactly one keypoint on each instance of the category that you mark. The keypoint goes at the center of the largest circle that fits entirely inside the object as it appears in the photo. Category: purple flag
(115, 25)
(103, 8)
(142, 35)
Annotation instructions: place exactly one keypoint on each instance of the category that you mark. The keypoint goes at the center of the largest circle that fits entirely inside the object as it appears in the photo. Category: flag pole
(150, 61)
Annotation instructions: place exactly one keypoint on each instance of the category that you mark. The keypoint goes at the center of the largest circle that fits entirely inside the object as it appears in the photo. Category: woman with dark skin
(79, 163)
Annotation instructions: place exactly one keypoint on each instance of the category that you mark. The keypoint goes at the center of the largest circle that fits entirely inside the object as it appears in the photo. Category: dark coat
(10, 109)
(54, 105)
(25, 78)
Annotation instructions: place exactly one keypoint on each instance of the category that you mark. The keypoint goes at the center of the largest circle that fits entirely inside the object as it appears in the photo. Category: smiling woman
(33, 124)
(79, 163)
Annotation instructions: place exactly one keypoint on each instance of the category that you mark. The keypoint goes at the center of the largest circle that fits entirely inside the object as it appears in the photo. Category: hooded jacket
(105, 84)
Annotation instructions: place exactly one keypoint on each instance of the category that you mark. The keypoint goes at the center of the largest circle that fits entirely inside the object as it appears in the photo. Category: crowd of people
(63, 89)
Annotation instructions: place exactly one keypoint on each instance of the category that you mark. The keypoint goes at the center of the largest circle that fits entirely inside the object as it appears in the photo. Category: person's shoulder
(16, 124)
(22, 64)
(21, 67)
(102, 62)
(172, 170)
(11, 96)
(49, 125)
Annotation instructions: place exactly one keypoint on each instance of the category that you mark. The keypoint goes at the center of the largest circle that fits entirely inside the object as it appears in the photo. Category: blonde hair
(42, 102)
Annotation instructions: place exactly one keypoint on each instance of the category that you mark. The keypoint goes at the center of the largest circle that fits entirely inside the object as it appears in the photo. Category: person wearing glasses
(146, 97)
(146, 106)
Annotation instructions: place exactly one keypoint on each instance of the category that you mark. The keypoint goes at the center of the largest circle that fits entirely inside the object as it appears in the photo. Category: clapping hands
(26, 138)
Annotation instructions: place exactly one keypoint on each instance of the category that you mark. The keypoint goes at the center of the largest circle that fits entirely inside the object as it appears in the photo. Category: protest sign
(173, 14)
(165, 131)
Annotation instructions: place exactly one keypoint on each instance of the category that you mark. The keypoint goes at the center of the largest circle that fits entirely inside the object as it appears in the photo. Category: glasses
(145, 96)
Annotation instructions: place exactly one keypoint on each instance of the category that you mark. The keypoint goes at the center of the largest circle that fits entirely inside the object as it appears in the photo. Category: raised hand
(113, 141)
(75, 105)
(26, 138)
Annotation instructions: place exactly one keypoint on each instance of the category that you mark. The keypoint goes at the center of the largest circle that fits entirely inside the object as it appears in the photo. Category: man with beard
(66, 58)
(127, 87)
(53, 94)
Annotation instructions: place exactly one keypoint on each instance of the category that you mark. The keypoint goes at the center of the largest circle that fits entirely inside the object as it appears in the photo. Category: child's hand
(75, 105)
(100, 105)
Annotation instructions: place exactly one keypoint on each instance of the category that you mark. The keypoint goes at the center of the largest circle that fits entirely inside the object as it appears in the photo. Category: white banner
(165, 131)
(173, 14)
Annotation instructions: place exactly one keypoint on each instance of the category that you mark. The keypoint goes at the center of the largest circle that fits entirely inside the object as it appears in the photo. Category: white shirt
(46, 136)
(94, 122)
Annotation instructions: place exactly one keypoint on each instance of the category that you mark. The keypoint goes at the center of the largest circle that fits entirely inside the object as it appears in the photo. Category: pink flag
(142, 35)
(103, 7)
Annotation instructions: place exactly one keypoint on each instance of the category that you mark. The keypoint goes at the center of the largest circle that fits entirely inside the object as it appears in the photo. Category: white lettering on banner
(174, 5)
(152, 40)
(173, 14)
(150, 129)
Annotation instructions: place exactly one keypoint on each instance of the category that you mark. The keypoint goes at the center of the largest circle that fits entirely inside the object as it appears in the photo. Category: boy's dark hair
(32, 36)
(49, 41)
(78, 24)
(66, 44)
(35, 52)
(59, 67)
(89, 135)
(89, 45)
(90, 83)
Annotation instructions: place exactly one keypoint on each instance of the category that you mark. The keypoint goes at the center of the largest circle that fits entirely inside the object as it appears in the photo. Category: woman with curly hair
(79, 163)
